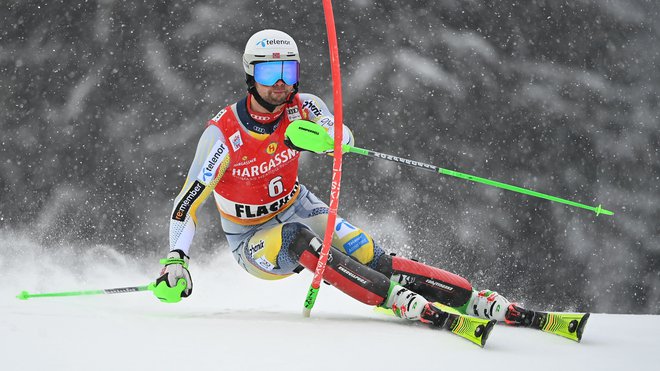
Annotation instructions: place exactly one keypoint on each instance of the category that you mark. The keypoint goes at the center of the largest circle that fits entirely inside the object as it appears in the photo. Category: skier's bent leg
(438, 285)
(357, 280)
(434, 284)
(348, 275)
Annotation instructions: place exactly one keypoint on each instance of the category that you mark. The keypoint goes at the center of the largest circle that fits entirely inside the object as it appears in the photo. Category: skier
(272, 222)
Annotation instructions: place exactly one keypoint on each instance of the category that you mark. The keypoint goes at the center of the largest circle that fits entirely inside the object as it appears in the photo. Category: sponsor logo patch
(236, 141)
(326, 122)
(355, 243)
(219, 115)
(265, 42)
(272, 147)
(245, 161)
(264, 263)
(312, 107)
(241, 170)
(293, 113)
(259, 129)
(437, 284)
(253, 249)
(213, 161)
(181, 210)
(260, 118)
(352, 275)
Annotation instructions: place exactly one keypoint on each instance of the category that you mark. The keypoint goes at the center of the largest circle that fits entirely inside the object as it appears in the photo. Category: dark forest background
(102, 103)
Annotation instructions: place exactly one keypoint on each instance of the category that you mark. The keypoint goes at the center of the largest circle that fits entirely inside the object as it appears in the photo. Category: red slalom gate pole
(336, 162)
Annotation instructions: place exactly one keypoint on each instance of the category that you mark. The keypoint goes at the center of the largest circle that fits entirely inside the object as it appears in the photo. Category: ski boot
(489, 304)
(405, 303)
(409, 305)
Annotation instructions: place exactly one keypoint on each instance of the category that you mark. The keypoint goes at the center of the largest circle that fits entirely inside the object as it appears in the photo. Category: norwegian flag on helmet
(276, 55)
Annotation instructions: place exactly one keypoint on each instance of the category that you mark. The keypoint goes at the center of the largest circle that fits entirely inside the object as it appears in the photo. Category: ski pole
(162, 292)
(24, 295)
(314, 138)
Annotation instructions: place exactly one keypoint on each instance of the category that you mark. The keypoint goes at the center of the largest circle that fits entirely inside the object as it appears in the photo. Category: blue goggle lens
(268, 73)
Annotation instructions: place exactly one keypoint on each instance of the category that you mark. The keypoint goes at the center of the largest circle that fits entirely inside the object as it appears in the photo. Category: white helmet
(269, 45)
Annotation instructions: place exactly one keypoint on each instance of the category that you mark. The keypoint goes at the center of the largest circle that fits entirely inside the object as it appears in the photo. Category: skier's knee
(348, 275)
(298, 238)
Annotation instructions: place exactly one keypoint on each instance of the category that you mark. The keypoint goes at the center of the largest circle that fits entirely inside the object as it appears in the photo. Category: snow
(234, 321)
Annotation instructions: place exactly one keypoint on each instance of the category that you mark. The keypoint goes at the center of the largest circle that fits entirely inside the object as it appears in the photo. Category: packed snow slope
(234, 321)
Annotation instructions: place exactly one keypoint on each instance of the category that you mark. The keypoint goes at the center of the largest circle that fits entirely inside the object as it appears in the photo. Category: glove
(314, 138)
(290, 144)
(174, 282)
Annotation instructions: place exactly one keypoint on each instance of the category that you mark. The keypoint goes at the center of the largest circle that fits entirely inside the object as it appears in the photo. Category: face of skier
(275, 80)
(276, 94)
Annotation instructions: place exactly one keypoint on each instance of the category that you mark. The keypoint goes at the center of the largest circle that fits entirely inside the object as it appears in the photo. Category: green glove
(174, 282)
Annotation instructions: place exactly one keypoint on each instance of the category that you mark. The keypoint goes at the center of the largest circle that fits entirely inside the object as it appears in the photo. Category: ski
(568, 325)
(474, 329)
(471, 328)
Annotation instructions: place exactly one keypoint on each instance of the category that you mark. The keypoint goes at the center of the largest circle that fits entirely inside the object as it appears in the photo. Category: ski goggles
(268, 73)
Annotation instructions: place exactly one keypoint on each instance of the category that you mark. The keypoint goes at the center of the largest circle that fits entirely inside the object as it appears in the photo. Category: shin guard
(435, 284)
(358, 281)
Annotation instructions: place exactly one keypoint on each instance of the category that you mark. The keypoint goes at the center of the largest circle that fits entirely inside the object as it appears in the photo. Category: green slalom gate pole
(161, 291)
(311, 137)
